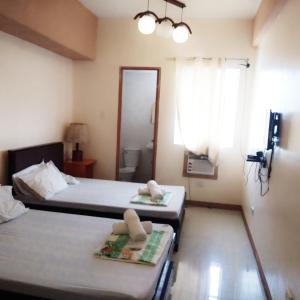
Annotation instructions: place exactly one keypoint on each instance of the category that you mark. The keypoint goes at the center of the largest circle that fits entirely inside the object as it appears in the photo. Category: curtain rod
(207, 58)
(245, 60)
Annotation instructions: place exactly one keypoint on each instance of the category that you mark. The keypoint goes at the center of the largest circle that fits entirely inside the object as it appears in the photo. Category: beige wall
(96, 96)
(275, 223)
(62, 26)
(267, 13)
(35, 96)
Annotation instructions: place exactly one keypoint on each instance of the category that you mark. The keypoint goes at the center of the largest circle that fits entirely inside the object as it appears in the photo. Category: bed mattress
(112, 196)
(50, 254)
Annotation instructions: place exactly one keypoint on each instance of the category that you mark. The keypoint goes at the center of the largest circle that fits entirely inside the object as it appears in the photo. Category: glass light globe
(180, 34)
(146, 24)
(164, 29)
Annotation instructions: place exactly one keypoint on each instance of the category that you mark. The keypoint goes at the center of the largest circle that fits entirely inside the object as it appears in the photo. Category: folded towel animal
(122, 227)
(136, 229)
(156, 192)
(143, 190)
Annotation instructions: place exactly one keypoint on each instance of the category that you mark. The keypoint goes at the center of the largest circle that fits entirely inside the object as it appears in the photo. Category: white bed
(104, 198)
(111, 196)
(49, 254)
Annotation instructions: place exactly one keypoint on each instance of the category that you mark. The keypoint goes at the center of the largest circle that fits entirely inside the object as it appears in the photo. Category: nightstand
(84, 168)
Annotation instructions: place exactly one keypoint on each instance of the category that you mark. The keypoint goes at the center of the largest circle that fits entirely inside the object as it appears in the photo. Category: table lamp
(77, 133)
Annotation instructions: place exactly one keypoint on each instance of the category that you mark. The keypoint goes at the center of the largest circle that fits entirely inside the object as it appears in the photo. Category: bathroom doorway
(138, 110)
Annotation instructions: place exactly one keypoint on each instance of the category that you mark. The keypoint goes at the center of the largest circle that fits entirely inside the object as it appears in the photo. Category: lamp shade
(180, 34)
(147, 24)
(77, 133)
(164, 29)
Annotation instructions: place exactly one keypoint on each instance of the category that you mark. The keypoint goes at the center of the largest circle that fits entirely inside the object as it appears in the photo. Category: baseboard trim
(239, 208)
(258, 261)
(213, 205)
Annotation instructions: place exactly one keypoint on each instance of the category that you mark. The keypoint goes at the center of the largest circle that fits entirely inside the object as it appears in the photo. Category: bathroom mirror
(137, 123)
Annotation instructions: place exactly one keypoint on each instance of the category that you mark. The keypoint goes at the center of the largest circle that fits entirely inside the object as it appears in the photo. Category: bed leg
(178, 231)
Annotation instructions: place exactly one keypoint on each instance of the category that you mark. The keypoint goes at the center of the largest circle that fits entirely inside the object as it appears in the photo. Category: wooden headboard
(19, 159)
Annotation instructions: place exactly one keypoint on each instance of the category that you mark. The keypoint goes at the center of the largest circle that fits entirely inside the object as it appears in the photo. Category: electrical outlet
(252, 210)
(289, 294)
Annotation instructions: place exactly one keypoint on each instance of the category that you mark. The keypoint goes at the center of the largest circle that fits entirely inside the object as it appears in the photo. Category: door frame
(155, 136)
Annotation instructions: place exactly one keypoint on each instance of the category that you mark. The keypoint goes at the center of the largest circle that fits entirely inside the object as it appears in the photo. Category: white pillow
(19, 186)
(45, 181)
(70, 179)
(9, 207)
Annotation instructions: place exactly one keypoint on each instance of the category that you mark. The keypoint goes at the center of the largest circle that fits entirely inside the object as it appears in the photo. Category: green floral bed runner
(146, 200)
(122, 248)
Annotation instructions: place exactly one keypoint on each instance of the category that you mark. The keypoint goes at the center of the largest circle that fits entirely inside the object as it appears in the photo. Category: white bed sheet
(113, 196)
(51, 254)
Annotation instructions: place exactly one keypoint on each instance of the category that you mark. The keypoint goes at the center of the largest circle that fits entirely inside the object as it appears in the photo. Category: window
(231, 97)
(207, 97)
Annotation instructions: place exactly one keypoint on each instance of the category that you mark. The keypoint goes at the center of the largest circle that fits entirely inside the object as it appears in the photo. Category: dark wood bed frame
(19, 159)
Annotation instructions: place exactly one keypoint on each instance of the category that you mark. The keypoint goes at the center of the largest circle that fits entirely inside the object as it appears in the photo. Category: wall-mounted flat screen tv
(274, 130)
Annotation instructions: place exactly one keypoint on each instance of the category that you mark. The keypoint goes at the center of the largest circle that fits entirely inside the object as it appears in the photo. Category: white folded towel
(155, 191)
(136, 229)
(143, 190)
(122, 227)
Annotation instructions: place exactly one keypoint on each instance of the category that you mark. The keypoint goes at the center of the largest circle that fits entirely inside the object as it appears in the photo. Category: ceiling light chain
(181, 15)
(166, 9)
(148, 19)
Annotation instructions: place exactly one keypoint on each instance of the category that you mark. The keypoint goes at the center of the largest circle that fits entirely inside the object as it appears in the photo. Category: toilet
(131, 160)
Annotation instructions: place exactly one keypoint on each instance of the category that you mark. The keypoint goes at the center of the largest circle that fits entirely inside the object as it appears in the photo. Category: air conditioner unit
(199, 166)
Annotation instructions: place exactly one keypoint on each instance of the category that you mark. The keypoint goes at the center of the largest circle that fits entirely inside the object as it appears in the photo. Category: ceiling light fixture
(167, 27)
(147, 21)
(182, 31)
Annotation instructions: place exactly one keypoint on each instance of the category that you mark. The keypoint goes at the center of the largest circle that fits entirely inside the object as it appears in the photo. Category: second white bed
(112, 197)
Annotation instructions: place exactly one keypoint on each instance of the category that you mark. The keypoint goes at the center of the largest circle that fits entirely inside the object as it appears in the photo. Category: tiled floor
(215, 259)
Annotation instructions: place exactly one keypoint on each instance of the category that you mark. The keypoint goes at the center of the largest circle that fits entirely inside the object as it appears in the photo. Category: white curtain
(204, 88)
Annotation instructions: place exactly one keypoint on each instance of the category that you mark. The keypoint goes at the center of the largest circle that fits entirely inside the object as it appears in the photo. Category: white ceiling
(197, 9)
